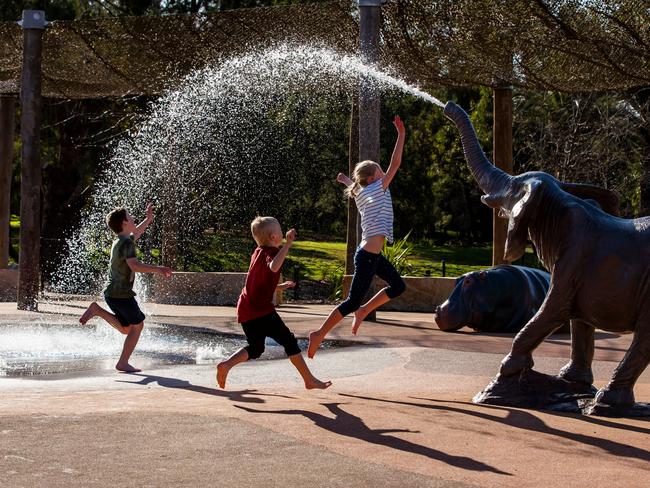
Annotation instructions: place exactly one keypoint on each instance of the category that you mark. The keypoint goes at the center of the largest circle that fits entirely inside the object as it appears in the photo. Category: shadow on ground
(346, 424)
(245, 396)
(522, 419)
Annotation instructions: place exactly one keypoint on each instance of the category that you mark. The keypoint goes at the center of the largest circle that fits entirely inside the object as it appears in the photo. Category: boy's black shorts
(271, 325)
(126, 310)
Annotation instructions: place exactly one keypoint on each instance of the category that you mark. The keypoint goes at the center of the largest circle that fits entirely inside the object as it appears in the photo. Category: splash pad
(65, 347)
(203, 150)
(206, 149)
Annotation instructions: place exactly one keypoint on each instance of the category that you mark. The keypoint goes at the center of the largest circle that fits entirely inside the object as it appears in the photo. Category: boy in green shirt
(119, 294)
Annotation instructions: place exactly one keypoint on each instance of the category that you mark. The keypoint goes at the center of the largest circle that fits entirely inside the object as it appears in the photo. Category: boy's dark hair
(115, 219)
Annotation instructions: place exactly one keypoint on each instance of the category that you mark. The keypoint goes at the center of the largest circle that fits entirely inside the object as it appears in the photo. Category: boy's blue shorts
(126, 310)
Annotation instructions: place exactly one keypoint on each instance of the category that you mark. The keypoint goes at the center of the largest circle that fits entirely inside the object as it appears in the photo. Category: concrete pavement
(399, 413)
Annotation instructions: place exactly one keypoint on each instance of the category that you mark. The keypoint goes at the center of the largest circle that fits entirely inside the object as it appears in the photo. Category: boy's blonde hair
(362, 172)
(261, 229)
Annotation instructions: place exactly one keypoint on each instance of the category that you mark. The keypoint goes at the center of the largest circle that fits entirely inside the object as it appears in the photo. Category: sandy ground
(398, 414)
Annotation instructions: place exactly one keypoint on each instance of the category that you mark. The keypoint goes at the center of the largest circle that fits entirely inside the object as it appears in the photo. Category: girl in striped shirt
(369, 188)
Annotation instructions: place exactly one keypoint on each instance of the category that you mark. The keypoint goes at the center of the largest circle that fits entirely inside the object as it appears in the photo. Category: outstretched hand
(149, 211)
(165, 271)
(399, 125)
(286, 285)
(291, 236)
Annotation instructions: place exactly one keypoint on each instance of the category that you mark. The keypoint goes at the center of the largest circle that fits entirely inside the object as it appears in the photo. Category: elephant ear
(517, 236)
(607, 199)
(517, 210)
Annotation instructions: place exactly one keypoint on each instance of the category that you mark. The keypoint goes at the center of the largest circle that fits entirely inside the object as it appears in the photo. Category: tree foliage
(586, 138)
(598, 138)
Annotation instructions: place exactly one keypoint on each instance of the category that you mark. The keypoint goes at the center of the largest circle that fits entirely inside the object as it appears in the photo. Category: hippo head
(467, 305)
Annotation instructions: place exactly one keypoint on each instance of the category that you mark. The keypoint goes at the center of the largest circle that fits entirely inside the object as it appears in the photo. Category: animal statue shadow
(599, 265)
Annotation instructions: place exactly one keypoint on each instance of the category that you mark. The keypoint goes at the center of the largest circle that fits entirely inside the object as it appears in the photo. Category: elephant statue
(499, 299)
(599, 265)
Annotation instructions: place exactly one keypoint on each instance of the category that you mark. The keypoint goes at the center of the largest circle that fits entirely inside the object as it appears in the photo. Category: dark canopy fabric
(567, 45)
(118, 56)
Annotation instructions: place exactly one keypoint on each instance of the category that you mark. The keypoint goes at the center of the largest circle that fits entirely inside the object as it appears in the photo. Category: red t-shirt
(256, 299)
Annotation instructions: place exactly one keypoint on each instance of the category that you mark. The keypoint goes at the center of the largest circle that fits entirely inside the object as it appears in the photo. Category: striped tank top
(376, 209)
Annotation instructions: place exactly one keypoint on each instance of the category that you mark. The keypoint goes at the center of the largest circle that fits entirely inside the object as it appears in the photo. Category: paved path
(399, 414)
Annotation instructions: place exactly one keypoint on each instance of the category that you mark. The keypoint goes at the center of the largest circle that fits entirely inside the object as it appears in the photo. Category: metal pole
(502, 155)
(33, 25)
(7, 129)
(369, 100)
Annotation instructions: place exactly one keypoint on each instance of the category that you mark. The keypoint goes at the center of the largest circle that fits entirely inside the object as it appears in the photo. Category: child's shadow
(246, 396)
(346, 424)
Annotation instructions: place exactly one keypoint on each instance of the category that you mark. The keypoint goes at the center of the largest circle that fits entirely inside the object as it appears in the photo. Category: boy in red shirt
(255, 310)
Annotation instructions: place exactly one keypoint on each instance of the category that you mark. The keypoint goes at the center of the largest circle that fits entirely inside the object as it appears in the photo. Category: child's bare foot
(359, 315)
(90, 312)
(317, 384)
(126, 368)
(222, 374)
(314, 343)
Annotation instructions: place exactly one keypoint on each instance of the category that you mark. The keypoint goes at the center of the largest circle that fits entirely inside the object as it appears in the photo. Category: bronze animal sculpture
(599, 265)
(499, 299)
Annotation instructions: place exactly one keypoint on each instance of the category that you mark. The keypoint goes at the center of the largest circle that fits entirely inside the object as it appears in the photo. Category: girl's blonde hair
(362, 172)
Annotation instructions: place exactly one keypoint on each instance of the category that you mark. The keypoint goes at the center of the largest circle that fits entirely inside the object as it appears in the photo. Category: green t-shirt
(120, 276)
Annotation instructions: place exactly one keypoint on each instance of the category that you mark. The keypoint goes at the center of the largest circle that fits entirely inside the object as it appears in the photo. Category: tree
(434, 192)
(583, 138)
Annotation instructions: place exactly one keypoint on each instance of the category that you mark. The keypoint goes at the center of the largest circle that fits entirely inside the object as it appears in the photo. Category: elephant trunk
(490, 179)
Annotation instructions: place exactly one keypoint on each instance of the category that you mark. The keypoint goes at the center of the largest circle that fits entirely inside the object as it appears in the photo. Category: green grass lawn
(317, 260)
(321, 260)
(325, 260)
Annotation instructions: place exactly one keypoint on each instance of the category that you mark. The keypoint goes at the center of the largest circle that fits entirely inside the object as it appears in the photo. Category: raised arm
(142, 226)
(396, 159)
(344, 180)
(278, 260)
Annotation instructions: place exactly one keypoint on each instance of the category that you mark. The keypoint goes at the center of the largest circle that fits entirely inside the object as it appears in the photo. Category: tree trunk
(31, 178)
(502, 156)
(7, 128)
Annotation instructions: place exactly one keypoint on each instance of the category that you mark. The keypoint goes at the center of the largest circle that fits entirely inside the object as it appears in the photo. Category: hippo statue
(599, 265)
(499, 299)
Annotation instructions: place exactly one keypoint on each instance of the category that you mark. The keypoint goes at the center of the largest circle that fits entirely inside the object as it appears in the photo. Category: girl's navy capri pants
(366, 266)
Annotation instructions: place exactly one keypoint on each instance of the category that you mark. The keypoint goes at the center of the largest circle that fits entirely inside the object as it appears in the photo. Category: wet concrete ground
(398, 414)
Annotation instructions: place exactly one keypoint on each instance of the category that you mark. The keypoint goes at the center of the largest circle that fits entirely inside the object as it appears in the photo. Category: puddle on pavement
(37, 349)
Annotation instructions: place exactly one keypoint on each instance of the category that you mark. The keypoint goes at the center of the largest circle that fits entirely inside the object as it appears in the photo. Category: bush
(398, 254)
